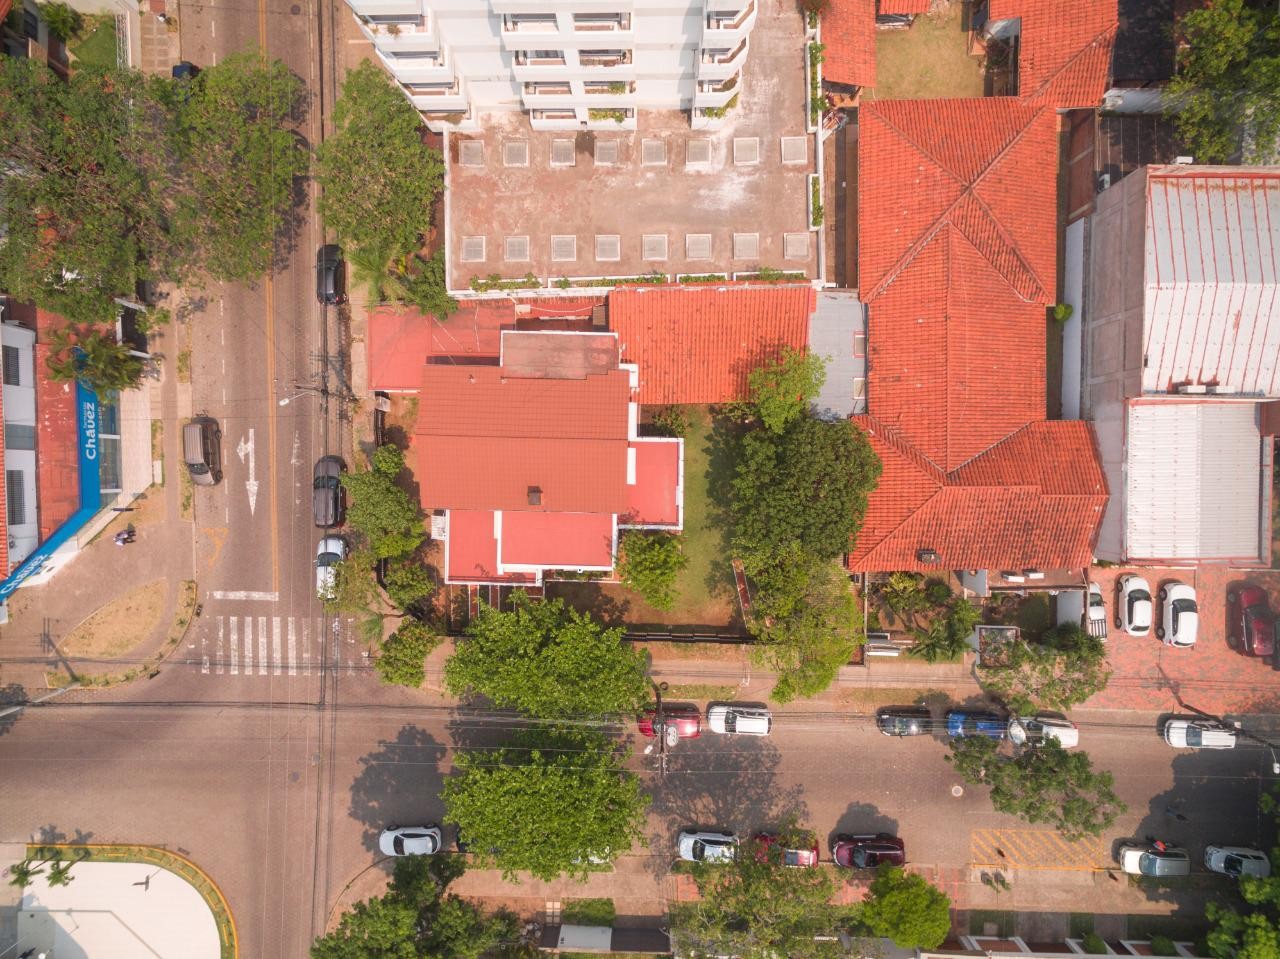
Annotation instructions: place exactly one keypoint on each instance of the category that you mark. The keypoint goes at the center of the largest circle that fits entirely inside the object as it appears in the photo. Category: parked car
(202, 450)
(1198, 734)
(904, 721)
(685, 717)
(976, 722)
(331, 551)
(868, 851)
(697, 846)
(1251, 625)
(1134, 614)
(326, 491)
(1180, 617)
(736, 719)
(1149, 860)
(331, 275)
(799, 857)
(1237, 861)
(1034, 730)
(1096, 613)
(410, 840)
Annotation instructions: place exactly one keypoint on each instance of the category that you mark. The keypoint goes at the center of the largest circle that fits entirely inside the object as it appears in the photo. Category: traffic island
(116, 900)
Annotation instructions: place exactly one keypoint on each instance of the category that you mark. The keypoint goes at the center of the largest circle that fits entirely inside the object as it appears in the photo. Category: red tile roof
(849, 35)
(697, 344)
(399, 342)
(905, 6)
(483, 438)
(1032, 501)
(1064, 53)
(564, 540)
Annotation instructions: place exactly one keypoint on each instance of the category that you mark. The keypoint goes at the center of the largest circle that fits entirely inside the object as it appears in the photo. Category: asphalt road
(240, 786)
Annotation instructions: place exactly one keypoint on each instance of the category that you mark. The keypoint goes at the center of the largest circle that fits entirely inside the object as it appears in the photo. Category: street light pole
(1240, 730)
(660, 728)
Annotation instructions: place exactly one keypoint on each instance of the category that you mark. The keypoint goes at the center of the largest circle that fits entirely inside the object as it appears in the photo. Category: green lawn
(588, 912)
(929, 59)
(97, 46)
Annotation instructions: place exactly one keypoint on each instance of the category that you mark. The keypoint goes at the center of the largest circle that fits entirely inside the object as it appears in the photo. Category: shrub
(1163, 946)
(672, 420)
(1094, 944)
(403, 661)
(649, 564)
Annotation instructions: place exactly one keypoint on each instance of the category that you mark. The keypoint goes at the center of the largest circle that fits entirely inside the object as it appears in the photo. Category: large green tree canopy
(549, 661)
(905, 908)
(552, 802)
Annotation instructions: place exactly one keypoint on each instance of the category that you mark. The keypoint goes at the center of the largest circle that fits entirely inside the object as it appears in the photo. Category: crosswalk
(272, 645)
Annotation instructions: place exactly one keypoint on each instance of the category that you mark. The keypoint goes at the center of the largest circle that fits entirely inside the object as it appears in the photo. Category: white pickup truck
(1084, 606)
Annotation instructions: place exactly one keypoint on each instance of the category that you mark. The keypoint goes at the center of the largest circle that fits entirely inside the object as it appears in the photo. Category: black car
(904, 721)
(326, 491)
(331, 275)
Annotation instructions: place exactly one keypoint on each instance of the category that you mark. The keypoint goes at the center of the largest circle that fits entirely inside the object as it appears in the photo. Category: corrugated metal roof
(1212, 274)
(1193, 483)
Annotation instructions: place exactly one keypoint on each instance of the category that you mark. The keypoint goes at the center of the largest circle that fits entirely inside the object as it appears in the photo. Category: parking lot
(1149, 675)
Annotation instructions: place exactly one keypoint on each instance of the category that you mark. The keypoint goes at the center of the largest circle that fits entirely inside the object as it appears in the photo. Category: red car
(1251, 626)
(765, 841)
(685, 717)
(869, 851)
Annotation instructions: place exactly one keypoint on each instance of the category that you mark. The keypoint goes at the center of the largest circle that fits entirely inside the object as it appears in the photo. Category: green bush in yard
(649, 563)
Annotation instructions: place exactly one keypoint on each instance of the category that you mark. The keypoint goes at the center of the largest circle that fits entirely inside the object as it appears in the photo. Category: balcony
(604, 58)
(720, 64)
(414, 68)
(554, 119)
(374, 8)
(716, 95)
(549, 96)
(723, 28)
(530, 23)
(601, 23)
(400, 33)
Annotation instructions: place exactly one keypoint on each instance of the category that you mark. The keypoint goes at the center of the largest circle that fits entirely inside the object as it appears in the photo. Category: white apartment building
(570, 64)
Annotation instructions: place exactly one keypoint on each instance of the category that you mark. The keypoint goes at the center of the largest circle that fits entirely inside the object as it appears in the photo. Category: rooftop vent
(927, 556)
(535, 495)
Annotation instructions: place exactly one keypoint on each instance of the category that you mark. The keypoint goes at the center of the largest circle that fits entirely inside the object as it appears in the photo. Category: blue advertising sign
(90, 493)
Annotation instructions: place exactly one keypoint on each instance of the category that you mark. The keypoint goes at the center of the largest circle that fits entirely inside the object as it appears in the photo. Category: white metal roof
(1212, 274)
(1193, 480)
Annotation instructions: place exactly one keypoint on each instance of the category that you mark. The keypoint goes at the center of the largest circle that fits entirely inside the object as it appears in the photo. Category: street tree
(781, 391)
(379, 181)
(408, 581)
(905, 908)
(381, 511)
(549, 661)
(93, 357)
(1066, 668)
(1228, 71)
(402, 660)
(805, 486)
(649, 564)
(22, 873)
(238, 165)
(1252, 932)
(551, 802)
(417, 919)
(757, 908)
(1041, 784)
(806, 622)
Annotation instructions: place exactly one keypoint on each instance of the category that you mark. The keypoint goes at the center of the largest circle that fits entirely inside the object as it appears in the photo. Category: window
(746, 246)
(15, 493)
(795, 246)
(697, 246)
(471, 153)
(564, 248)
(562, 153)
(653, 152)
(746, 150)
(12, 355)
(654, 246)
(473, 249)
(697, 152)
(608, 247)
(795, 150)
(516, 249)
(19, 436)
(515, 153)
(606, 151)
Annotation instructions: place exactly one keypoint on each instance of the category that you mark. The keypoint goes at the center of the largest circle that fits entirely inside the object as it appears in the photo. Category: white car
(1237, 861)
(698, 846)
(410, 840)
(1180, 617)
(1198, 734)
(1150, 860)
(734, 719)
(1034, 730)
(1096, 614)
(1134, 614)
(331, 551)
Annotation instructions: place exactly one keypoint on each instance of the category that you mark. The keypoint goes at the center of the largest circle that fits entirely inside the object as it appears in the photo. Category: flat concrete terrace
(663, 197)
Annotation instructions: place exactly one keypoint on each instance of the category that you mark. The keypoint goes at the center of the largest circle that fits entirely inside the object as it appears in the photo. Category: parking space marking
(1035, 849)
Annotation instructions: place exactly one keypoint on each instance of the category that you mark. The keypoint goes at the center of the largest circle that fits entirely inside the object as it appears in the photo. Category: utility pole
(666, 737)
(1240, 731)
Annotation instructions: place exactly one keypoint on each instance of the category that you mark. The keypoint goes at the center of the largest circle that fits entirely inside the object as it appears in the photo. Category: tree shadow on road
(399, 784)
(862, 818)
(719, 785)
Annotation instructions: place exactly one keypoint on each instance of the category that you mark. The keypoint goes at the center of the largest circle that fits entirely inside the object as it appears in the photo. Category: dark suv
(331, 275)
(326, 491)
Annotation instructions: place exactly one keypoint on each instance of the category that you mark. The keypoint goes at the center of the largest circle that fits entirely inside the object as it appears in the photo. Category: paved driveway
(1210, 676)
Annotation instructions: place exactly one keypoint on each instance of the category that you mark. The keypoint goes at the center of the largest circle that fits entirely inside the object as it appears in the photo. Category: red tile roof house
(957, 203)
(527, 438)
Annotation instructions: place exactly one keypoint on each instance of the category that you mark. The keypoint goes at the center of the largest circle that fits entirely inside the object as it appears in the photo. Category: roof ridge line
(903, 522)
(1000, 442)
(1080, 51)
(1017, 252)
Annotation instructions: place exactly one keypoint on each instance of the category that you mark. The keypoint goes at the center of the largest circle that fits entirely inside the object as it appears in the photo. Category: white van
(733, 719)
(1198, 734)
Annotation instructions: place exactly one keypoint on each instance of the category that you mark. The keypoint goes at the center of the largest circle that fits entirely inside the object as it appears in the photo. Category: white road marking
(248, 645)
(235, 647)
(295, 456)
(306, 643)
(276, 657)
(293, 647)
(221, 654)
(244, 594)
(262, 645)
(246, 447)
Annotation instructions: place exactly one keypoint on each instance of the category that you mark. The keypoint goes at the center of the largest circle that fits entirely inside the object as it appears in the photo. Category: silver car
(1145, 860)
(697, 846)
(410, 841)
(1237, 861)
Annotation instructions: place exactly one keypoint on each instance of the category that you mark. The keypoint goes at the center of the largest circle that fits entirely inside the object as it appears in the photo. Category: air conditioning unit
(1033, 573)
(1012, 577)
(1184, 161)
(1195, 388)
